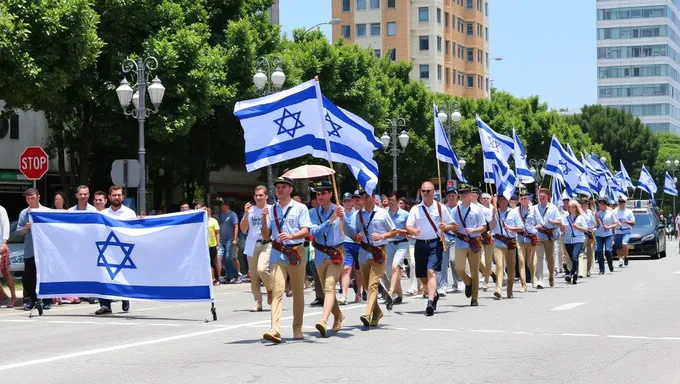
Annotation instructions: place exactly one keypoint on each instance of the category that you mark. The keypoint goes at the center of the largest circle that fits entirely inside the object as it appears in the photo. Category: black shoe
(474, 303)
(429, 310)
(567, 278)
(573, 280)
(468, 290)
(398, 300)
(588, 274)
(389, 302)
(92, 300)
(364, 319)
(565, 269)
(434, 302)
(316, 303)
(363, 296)
(625, 261)
(126, 305)
(601, 273)
(611, 266)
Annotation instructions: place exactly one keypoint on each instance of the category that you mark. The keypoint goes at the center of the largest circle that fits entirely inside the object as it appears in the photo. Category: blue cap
(452, 190)
(347, 196)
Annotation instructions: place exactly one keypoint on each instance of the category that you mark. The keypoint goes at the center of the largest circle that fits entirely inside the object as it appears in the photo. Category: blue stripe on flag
(336, 112)
(263, 109)
(201, 292)
(56, 217)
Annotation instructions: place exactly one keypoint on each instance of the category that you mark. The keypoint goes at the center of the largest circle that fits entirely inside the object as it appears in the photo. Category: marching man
(547, 234)
(528, 239)
(626, 222)
(257, 249)
(427, 222)
(508, 224)
(289, 223)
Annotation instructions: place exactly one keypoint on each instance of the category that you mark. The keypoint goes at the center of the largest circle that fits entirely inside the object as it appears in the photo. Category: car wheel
(656, 252)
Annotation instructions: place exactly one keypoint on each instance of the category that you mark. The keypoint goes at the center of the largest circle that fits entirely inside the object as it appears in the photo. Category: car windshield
(15, 237)
(643, 221)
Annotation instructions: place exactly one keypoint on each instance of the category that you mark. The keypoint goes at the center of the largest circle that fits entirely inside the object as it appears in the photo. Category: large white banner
(90, 254)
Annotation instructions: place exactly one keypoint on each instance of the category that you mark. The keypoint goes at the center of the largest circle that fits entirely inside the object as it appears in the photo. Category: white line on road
(567, 306)
(548, 334)
(628, 337)
(677, 272)
(579, 334)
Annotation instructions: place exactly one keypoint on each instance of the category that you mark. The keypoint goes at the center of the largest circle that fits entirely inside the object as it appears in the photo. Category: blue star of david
(566, 168)
(494, 144)
(335, 127)
(114, 269)
(280, 122)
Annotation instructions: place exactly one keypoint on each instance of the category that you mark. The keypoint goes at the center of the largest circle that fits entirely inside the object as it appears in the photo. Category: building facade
(447, 40)
(638, 60)
(274, 13)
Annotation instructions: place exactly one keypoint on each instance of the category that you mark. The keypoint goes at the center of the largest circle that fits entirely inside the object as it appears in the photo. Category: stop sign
(33, 163)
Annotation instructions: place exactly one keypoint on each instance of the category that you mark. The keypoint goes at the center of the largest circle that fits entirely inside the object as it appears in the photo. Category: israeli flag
(494, 146)
(628, 181)
(505, 181)
(583, 187)
(646, 182)
(563, 166)
(669, 186)
(555, 195)
(444, 150)
(89, 254)
(596, 177)
(520, 156)
(352, 142)
(281, 126)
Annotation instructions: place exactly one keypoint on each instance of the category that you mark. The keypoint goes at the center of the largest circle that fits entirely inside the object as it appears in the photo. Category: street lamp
(126, 94)
(673, 166)
(537, 169)
(273, 82)
(391, 136)
(329, 22)
(449, 110)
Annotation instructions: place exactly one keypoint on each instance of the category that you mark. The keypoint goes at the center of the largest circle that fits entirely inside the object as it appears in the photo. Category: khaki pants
(485, 263)
(329, 274)
(372, 272)
(463, 255)
(588, 245)
(258, 265)
(280, 272)
(504, 258)
(527, 253)
(566, 258)
(545, 251)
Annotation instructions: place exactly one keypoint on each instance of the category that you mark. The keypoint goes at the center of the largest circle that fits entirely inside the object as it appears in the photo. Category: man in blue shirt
(288, 227)
(228, 240)
(508, 224)
(397, 250)
(329, 256)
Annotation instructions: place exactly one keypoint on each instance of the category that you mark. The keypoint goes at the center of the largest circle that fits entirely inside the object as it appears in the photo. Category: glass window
(423, 14)
(424, 43)
(486, 33)
(345, 5)
(487, 85)
(424, 71)
(470, 54)
(479, 30)
(439, 15)
(361, 4)
(487, 59)
(376, 53)
(391, 28)
(361, 30)
(470, 81)
(479, 82)
(439, 43)
(479, 56)
(345, 31)
(393, 54)
(446, 20)
(479, 5)
(447, 76)
(375, 4)
(486, 8)
(446, 47)
(470, 29)
(375, 29)
(391, 3)
(469, 4)
(439, 71)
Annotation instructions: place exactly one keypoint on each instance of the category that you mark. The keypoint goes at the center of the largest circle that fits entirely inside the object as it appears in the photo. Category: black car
(648, 237)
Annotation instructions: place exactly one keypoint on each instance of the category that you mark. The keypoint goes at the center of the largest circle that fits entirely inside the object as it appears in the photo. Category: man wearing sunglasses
(427, 222)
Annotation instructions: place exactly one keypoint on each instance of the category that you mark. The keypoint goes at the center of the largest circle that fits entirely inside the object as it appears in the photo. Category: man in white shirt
(606, 221)
(563, 259)
(486, 261)
(83, 195)
(257, 249)
(427, 222)
(100, 201)
(9, 301)
(118, 211)
(626, 221)
(550, 219)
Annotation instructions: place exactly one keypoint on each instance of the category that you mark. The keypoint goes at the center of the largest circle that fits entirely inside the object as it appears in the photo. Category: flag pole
(439, 206)
(328, 150)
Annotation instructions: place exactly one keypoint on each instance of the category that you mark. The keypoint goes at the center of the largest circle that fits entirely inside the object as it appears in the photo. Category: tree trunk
(63, 177)
(85, 143)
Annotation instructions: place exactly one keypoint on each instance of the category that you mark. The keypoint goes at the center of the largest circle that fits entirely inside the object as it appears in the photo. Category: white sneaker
(620, 264)
(442, 291)
(460, 286)
(539, 285)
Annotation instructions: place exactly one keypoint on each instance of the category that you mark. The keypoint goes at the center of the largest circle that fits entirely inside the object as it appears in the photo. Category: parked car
(647, 238)
(15, 243)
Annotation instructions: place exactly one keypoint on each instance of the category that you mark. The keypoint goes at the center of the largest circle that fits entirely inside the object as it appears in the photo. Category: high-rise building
(638, 60)
(447, 40)
(274, 13)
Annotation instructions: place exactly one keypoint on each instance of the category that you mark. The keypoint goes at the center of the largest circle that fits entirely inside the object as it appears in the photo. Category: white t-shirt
(122, 213)
(4, 225)
(88, 208)
(624, 215)
(418, 219)
(254, 229)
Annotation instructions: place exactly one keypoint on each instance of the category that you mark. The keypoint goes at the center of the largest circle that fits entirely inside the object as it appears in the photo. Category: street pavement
(623, 327)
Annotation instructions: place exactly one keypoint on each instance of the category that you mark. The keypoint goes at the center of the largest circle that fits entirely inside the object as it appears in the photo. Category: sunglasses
(427, 190)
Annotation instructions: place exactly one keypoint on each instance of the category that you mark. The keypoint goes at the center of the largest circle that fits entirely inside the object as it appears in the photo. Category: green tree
(669, 149)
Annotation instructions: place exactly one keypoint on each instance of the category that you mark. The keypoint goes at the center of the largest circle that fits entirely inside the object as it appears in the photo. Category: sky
(548, 47)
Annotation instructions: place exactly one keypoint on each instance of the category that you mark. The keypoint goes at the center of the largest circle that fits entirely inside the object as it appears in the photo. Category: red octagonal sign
(34, 163)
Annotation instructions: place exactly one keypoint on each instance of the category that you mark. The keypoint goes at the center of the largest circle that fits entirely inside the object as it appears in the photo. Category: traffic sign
(126, 173)
(34, 163)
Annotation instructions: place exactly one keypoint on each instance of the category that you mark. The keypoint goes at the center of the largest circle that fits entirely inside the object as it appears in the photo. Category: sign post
(34, 163)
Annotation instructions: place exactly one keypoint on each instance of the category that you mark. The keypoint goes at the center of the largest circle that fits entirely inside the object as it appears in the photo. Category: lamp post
(267, 83)
(329, 22)
(138, 71)
(537, 169)
(449, 110)
(391, 137)
(673, 166)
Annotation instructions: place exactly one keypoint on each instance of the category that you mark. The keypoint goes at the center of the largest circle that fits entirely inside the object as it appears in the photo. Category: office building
(447, 40)
(274, 13)
(638, 60)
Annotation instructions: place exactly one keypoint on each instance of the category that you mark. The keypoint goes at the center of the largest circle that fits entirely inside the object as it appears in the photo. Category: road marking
(628, 337)
(677, 272)
(549, 334)
(567, 306)
(579, 334)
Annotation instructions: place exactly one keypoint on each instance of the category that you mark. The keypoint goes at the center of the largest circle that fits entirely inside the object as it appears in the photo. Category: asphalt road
(623, 327)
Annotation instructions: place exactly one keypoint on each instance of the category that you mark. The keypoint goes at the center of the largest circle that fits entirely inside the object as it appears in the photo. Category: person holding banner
(528, 239)
(257, 249)
(547, 234)
(329, 252)
(373, 227)
(469, 223)
(289, 223)
(427, 222)
(508, 224)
